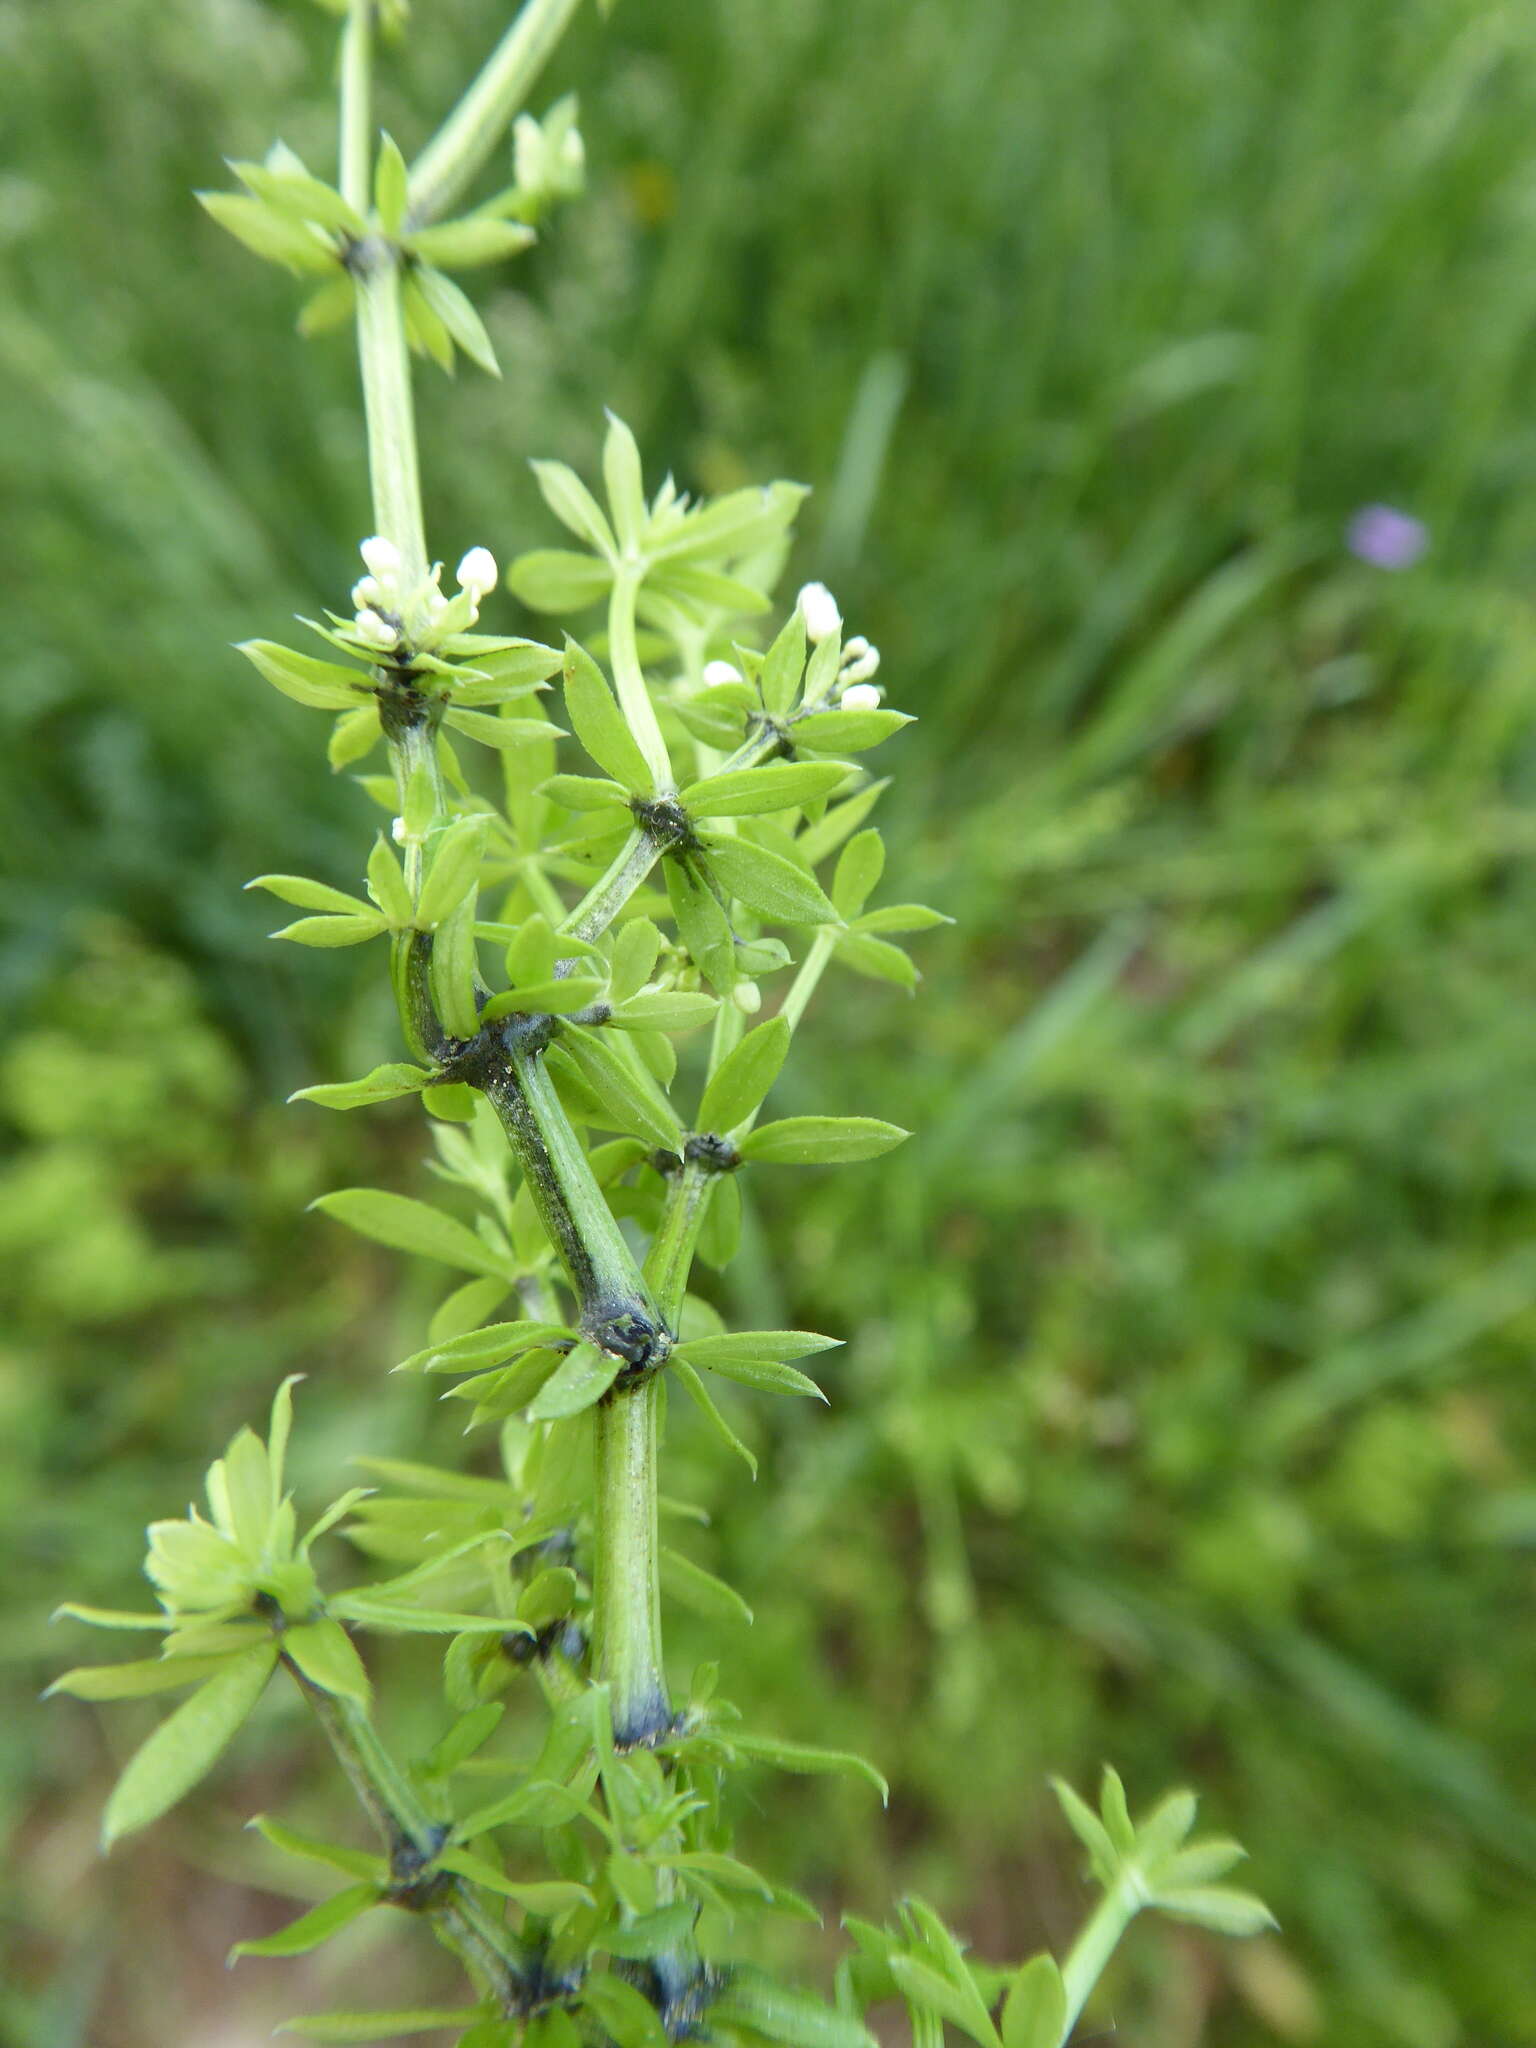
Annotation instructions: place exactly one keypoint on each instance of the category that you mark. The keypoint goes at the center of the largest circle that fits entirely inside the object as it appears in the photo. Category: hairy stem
(474, 129)
(602, 903)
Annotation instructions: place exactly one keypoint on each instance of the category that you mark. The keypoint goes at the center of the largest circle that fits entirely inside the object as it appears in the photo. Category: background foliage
(1185, 1417)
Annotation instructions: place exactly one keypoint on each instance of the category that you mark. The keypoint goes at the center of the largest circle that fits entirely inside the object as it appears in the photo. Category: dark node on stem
(714, 1154)
(271, 1611)
(404, 706)
(413, 1884)
(627, 1332)
(680, 1987)
(664, 822)
(644, 1722)
(665, 1163)
(565, 1636)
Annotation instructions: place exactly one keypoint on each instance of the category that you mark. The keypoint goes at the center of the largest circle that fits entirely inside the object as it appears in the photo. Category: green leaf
(307, 895)
(379, 2026)
(703, 590)
(960, 2004)
(1114, 1812)
(325, 1654)
(804, 1760)
(549, 1596)
(386, 883)
(702, 926)
(630, 1095)
(500, 732)
(454, 871)
(322, 684)
(574, 506)
(555, 580)
(1213, 1906)
(717, 715)
(1165, 1827)
(763, 1376)
(457, 314)
(624, 482)
(783, 664)
(1090, 1831)
(333, 931)
(652, 1934)
(313, 1927)
(107, 1617)
(585, 793)
(1199, 1864)
(701, 1590)
(744, 1077)
(268, 233)
(582, 1380)
(451, 970)
(384, 1084)
(135, 1680)
(699, 1394)
(355, 1862)
(188, 1743)
(738, 524)
(623, 2012)
(330, 306)
(547, 1896)
(720, 1233)
(1035, 2009)
(756, 1347)
(391, 185)
(792, 2018)
(901, 917)
(387, 1618)
(301, 197)
(859, 868)
(771, 885)
(466, 244)
(876, 959)
(670, 1009)
(599, 723)
(474, 1349)
(411, 1226)
(540, 1804)
(748, 792)
(821, 1140)
(545, 998)
(845, 732)
(469, 1733)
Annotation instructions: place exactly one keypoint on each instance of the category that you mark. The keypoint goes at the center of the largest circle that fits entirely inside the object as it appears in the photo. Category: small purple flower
(1386, 537)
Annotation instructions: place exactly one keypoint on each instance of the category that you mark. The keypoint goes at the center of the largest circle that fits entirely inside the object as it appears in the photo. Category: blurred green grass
(1185, 1418)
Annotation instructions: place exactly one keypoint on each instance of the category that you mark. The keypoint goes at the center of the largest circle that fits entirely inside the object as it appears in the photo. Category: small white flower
(862, 667)
(747, 997)
(818, 608)
(716, 672)
(382, 558)
(477, 573)
(368, 590)
(371, 626)
(862, 697)
(397, 831)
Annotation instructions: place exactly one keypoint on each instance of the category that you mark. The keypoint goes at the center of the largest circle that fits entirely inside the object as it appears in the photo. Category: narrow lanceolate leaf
(500, 732)
(747, 792)
(313, 1927)
(768, 883)
(334, 931)
(455, 868)
(451, 970)
(391, 185)
(1090, 1831)
(762, 1377)
(1213, 1906)
(411, 1226)
(136, 1679)
(323, 1651)
(386, 883)
(821, 1140)
(632, 1096)
(877, 959)
(304, 894)
(702, 926)
(599, 723)
(585, 792)
(476, 1349)
(755, 1347)
(744, 1077)
(1035, 2009)
(859, 868)
(845, 732)
(384, 1084)
(556, 580)
(901, 917)
(546, 998)
(960, 2004)
(581, 1381)
(188, 1743)
(803, 1760)
(455, 311)
(546, 1896)
(380, 2026)
(107, 1617)
(701, 1590)
(574, 505)
(699, 1394)
(267, 233)
(323, 684)
(466, 244)
(355, 1862)
(789, 2017)
(623, 482)
(299, 196)
(665, 1010)
(779, 680)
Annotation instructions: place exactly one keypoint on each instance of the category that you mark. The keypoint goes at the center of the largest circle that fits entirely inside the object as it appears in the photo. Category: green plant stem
(487, 1947)
(475, 127)
(807, 975)
(355, 153)
(390, 412)
(628, 679)
(1090, 1953)
(608, 895)
(670, 1258)
(626, 1582)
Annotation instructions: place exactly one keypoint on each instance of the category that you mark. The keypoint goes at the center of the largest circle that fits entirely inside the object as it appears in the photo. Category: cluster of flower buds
(549, 158)
(389, 616)
(818, 608)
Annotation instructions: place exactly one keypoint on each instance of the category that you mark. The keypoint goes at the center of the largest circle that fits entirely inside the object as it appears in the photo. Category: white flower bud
(860, 670)
(818, 608)
(747, 997)
(369, 625)
(862, 697)
(397, 831)
(367, 590)
(721, 672)
(477, 573)
(382, 558)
